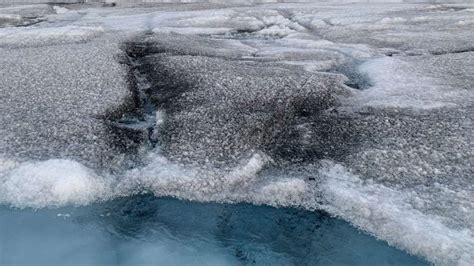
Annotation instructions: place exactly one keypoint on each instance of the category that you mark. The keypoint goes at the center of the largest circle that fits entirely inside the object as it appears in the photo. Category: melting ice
(315, 110)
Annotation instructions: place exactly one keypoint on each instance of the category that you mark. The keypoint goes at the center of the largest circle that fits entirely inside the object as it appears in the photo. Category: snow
(242, 183)
(408, 83)
(60, 10)
(396, 85)
(388, 214)
(41, 36)
(56, 182)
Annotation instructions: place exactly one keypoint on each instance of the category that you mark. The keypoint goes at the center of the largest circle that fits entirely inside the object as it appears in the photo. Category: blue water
(163, 231)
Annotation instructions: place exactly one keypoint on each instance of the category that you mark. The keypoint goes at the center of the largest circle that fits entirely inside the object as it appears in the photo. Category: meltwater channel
(145, 230)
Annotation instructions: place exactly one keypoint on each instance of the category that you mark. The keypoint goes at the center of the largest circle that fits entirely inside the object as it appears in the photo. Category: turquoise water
(163, 231)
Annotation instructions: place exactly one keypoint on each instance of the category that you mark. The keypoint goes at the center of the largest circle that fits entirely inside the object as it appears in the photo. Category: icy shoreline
(361, 110)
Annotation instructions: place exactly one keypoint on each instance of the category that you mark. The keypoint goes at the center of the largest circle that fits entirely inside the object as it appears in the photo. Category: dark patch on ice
(438, 52)
(109, 4)
(445, 8)
(219, 108)
(392, 53)
(457, 51)
(132, 125)
(177, 44)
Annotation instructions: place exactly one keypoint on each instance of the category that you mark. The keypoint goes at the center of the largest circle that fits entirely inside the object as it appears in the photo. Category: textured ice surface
(55, 99)
(41, 36)
(363, 111)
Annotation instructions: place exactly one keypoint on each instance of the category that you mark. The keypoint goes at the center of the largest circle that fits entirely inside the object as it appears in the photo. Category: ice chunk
(56, 182)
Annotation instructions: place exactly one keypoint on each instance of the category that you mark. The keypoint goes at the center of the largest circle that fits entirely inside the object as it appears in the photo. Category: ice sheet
(404, 127)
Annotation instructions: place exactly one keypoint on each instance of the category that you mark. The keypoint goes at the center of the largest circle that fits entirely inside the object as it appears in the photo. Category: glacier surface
(363, 111)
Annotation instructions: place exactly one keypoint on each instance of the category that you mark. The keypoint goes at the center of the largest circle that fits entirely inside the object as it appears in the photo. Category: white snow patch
(47, 36)
(388, 214)
(61, 182)
(275, 30)
(160, 117)
(319, 23)
(285, 192)
(10, 17)
(465, 22)
(60, 10)
(392, 20)
(396, 84)
(192, 30)
(241, 184)
(56, 182)
(420, 19)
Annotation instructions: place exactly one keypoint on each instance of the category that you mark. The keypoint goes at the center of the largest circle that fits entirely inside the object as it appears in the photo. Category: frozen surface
(363, 111)
(42, 119)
